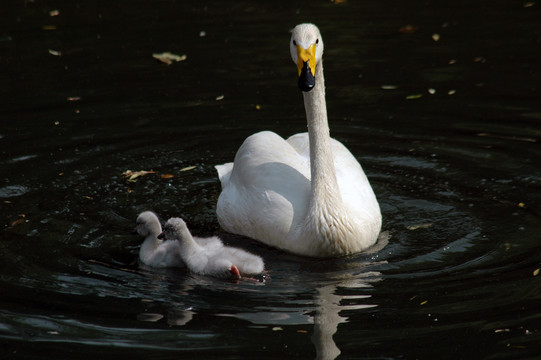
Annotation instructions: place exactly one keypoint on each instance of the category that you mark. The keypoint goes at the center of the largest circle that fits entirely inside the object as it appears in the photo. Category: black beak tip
(306, 87)
(307, 81)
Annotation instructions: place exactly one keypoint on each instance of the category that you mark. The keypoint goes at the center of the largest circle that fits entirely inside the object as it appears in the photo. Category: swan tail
(224, 172)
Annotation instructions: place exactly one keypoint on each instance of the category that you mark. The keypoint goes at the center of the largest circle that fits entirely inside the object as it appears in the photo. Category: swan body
(308, 194)
(216, 260)
(158, 253)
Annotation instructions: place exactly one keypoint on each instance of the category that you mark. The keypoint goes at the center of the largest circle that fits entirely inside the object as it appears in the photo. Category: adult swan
(307, 195)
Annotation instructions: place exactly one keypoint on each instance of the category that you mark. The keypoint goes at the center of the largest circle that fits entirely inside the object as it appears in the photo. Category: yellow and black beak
(306, 65)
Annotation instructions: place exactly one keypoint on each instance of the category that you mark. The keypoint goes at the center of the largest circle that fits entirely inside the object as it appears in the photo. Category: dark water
(448, 132)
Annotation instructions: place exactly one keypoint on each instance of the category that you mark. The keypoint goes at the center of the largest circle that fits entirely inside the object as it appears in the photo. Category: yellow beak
(306, 56)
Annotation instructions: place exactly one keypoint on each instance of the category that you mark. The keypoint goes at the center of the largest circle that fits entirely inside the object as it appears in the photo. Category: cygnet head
(147, 223)
(306, 48)
(175, 229)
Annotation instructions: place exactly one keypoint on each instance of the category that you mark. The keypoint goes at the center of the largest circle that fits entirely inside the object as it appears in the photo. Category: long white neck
(325, 192)
(186, 241)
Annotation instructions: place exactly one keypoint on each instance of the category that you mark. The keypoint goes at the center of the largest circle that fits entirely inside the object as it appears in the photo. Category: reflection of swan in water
(327, 314)
(324, 314)
(324, 311)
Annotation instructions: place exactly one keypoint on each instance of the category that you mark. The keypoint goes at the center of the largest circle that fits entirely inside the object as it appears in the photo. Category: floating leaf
(536, 272)
(521, 205)
(423, 302)
(414, 96)
(54, 13)
(302, 331)
(419, 226)
(19, 221)
(277, 328)
(132, 175)
(168, 58)
(55, 52)
(220, 97)
(188, 168)
(167, 176)
(389, 87)
(436, 37)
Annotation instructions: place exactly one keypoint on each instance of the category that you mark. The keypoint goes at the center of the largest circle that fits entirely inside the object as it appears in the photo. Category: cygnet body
(158, 253)
(218, 261)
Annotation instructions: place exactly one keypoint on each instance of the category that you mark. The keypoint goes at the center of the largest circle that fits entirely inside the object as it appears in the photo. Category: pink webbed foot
(235, 273)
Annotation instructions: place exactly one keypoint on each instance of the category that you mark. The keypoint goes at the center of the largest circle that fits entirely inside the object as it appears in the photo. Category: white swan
(157, 253)
(216, 260)
(307, 194)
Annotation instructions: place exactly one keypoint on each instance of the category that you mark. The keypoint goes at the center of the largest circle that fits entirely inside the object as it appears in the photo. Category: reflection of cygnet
(214, 260)
(155, 252)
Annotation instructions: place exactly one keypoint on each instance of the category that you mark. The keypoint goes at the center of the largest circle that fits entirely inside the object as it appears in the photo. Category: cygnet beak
(161, 236)
(134, 231)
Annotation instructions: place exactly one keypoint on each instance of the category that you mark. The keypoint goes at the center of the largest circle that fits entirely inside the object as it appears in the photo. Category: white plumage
(307, 194)
(157, 253)
(215, 260)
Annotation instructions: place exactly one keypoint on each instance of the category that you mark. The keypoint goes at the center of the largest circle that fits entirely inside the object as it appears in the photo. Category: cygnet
(155, 252)
(218, 261)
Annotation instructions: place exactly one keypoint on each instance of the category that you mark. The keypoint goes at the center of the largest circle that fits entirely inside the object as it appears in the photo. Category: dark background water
(439, 101)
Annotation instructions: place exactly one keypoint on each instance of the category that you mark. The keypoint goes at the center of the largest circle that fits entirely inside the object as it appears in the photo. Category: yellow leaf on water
(302, 331)
(536, 272)
(188, 168)
(419, 226)
(423, 302)
(414, 96)
(167, 176)
(168, 58)
(55, 52)
(132, 175)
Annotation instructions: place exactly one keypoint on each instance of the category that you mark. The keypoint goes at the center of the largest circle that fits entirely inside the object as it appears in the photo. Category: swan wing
(266, 193)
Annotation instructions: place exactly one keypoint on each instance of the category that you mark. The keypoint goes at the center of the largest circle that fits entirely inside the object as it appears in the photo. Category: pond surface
(438, 100)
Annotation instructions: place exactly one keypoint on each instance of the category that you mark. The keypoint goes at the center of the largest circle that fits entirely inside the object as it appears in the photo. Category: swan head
(175, 229)
(147, 223)
(306, 47)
